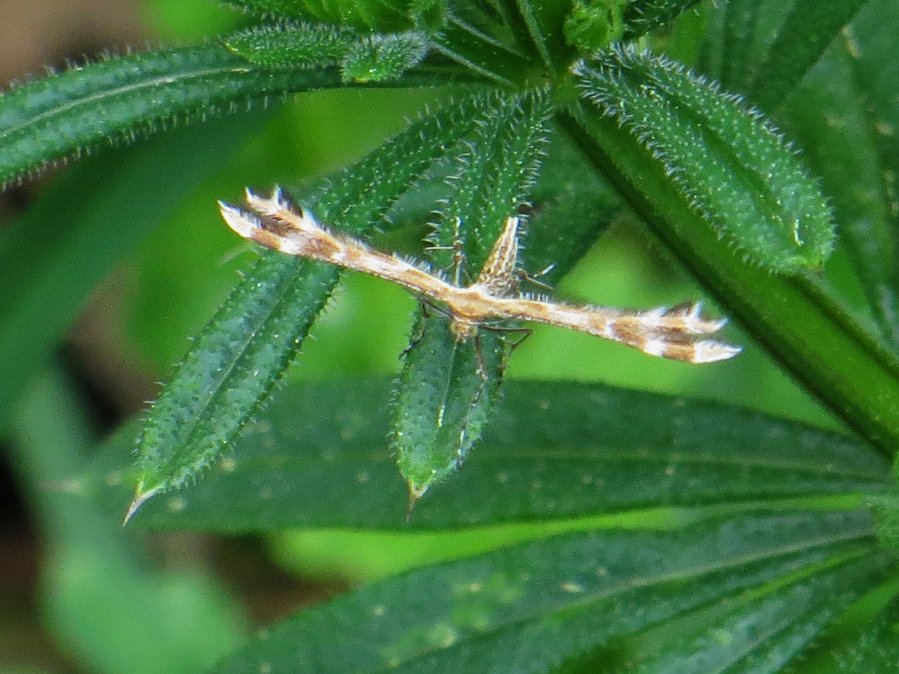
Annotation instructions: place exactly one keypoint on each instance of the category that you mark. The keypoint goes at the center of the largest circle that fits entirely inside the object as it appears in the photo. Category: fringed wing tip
(240, 221)
(709, 351)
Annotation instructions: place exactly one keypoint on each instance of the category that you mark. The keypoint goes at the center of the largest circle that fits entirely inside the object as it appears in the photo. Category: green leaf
(448, 385)
(379, 15)
(377, 58)
(362, 58)
(571, 207)
(595, 25)
(116, 100)
(245, 349)
(876, 649)
(740, 35)
(875, 70)
(544, 22)
(443, 398)
(642, 16)
(429, 15)
(57, 263)
(531, 607)
(810, 26)
(552, 452)
(766, 47)
(847, 148)
(490, 181)
(481, 52)
(232, 365)
(885, 508)
(849, 369)
(767, 632)
(291, 45)
(731, 165)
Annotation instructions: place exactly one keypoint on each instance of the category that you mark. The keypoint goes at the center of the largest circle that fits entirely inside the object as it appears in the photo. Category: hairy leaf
(244, 350)
(362, 58)
(570, 207)
(732, 166)
(530, 607)
(876, 649)
(772, 629)
(553, 452)
(291, 45)
(447, 386)
(845, 366)
(642, 16)
(377, 58)
(443, 397)
(118, 99)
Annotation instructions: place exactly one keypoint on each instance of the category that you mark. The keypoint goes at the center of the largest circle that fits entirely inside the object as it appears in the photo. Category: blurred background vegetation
(69, 583)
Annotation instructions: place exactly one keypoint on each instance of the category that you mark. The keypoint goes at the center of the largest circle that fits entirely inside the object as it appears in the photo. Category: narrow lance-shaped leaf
(232, 365)
(876, 648)
(555, 453)
(448, 382)
(809, 28)
(594, 25)
(291, 44)
(443, 398)
(871, 47)
(544, 22)
(845, 366)
(243, 351)
(362, 58)
(481, 53)
(730, 164)
(531, 607)
(642, 16)
(377, 58)
(773, 628)
(380, 15)
(843, 146)
(117, 99)
(570, 207)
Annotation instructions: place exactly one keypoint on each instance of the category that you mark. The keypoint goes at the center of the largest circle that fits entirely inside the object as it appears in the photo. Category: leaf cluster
(600, 529)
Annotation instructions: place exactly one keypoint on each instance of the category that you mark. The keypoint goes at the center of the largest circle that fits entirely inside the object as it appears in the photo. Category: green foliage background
(700, 536)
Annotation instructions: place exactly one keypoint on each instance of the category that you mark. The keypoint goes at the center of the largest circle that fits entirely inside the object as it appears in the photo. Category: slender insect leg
(482, 366)
(535, 278)
(523, 334)
(426, 305)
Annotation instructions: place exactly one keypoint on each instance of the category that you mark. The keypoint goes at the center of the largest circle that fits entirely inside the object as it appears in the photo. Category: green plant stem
(846, 368)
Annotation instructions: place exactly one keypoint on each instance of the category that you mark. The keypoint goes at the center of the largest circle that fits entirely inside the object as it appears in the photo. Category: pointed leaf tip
(140, 497)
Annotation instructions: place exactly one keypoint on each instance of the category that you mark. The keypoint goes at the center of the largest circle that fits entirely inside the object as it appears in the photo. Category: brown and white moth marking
(670, 332)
